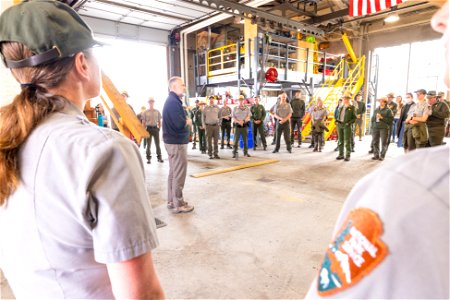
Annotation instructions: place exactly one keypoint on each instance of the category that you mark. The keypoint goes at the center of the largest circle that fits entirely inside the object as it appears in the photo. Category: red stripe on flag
(377, 5)
(363, 7)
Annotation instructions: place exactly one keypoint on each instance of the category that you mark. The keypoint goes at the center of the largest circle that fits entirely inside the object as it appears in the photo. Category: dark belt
(152, 126)
(212, 124)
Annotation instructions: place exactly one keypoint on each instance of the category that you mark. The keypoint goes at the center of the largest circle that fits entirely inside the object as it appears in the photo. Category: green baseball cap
(51, 30)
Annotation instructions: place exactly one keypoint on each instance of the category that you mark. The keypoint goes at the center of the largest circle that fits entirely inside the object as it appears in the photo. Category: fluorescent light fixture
(392, 18)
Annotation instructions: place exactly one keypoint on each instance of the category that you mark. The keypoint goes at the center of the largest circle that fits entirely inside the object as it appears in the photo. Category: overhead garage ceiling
(329, 15)
(158, 14)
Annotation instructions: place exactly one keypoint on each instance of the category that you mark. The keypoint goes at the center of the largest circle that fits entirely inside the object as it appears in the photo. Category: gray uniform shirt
(319, 114)
(210, 115)
(241, 114)
(410, 196)
(283, 110)
(419, 109)
(151, 117)
(225, 111)
(81, 203)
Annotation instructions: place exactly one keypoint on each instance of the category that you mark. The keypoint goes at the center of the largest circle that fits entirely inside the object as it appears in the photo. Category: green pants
(436, 135)
(344, 139)
(238, 131)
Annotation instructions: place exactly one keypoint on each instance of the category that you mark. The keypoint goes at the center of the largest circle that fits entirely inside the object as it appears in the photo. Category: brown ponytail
(27, 110)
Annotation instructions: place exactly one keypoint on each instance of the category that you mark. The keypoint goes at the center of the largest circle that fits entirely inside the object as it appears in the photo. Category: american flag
(364, 7)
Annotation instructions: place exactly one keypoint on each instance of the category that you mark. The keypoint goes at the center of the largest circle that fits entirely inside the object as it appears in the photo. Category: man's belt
(212, 124)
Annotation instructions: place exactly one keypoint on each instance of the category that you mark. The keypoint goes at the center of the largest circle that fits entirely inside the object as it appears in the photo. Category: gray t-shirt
(402, 210)
(81, 203)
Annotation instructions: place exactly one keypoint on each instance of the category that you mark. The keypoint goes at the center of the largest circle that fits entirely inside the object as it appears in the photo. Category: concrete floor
(255, 233)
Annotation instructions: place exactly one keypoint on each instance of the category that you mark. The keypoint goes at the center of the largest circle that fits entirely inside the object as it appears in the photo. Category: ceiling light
(392, 18)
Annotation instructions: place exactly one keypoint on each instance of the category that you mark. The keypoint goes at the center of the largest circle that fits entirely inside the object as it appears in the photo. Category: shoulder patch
(355, 251)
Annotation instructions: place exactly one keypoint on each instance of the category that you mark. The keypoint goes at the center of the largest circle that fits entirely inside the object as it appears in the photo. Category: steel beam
(241, 10)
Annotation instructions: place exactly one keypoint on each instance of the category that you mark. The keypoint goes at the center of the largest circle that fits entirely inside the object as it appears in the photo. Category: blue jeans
(394, 129)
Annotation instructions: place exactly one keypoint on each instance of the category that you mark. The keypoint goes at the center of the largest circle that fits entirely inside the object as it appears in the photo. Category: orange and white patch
(355, 251)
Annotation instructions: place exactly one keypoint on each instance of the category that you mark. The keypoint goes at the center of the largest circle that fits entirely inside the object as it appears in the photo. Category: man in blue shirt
(176, 138)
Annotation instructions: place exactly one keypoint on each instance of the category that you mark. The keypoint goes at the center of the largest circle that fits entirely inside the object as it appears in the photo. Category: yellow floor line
(231, 169)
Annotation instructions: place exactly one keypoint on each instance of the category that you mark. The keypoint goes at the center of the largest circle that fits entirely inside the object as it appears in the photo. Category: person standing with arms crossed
(176, 138)
(436, 122)
(210, 121)
(283, 113)
(298, 112)
(416, 132)
(75, 217)
(225, 125)
(152, 121)
(258, 116)
(241, 117)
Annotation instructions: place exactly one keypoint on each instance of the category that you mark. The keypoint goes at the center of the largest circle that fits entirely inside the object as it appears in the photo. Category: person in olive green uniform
(436, 122)
(381, 120)
(345, 117)
(360, 111)
(283, 113)
(194, 126)
(393, 107)
(258, 116)
(241, 117)
(201, 131)
(298, 112)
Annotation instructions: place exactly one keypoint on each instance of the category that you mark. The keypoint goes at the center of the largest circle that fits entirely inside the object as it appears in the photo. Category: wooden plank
(122, 129)
(236, 168)
(128, 120)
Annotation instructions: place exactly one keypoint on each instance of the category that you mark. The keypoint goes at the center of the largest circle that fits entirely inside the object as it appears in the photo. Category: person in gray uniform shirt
(391, 239)
(241, 117)
(319, 115)
(283, 113)
(75, 218)
(210, 120)
(416, 132)
(152, 121)
(225, 125)
(436, 122)
(298, 112)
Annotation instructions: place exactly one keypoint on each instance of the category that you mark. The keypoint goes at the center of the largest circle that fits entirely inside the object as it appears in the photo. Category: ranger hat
(50, 29)
(421, 91)
(441, 94)
(241, 97)
(431, 94)
(390, 95)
